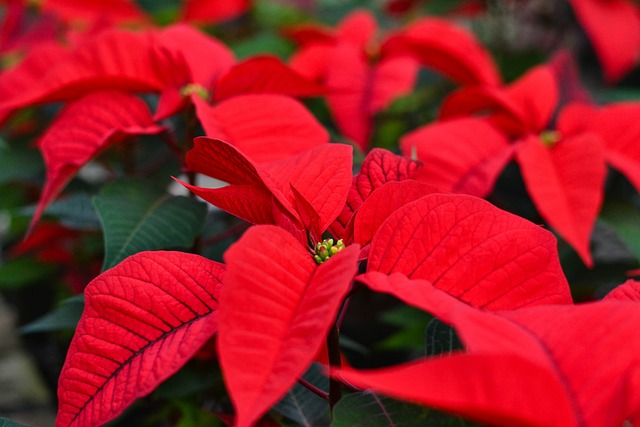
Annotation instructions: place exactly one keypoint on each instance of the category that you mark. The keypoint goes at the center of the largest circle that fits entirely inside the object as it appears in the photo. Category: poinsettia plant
(290, 213)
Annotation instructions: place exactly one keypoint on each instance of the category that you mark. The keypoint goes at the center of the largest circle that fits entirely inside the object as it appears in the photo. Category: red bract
(142, 321)
(363, 77)
(463, 156)
(270, 192)
(522, 367)
(628, 291)
(265, 127)
(383, 202)
(613, 26)
(379, 167)
(474, 251)
(563, 170)
(88, 11)
(277, 324)
(114, 59)
(566, 183)
(618, 129)
(213, 11)
(264, 74)
(84, 129)
(447, 48)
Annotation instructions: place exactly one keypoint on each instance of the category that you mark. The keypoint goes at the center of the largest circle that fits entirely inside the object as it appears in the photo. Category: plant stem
(335, 386)
(313, 389)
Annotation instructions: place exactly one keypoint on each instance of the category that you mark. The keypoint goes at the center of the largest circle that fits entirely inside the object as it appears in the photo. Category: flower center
(195, 88)
(326, 249)
(550, 137)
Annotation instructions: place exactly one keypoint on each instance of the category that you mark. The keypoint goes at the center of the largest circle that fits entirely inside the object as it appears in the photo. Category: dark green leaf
(440, 338)
(19, 164)
(187, 382)
(265, 42)
(624, 218)
(8, 423)
(23, 271)
(64, 317)
(411, 324)
(137, 217)
(368, 409)
(303, 406)
(76, 211)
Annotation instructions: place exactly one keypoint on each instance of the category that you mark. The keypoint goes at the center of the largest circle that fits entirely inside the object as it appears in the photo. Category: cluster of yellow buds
(326, 249)
(550, 137)
(195, 88)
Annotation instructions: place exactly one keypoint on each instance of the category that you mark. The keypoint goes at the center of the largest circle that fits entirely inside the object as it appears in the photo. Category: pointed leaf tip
(291, 306)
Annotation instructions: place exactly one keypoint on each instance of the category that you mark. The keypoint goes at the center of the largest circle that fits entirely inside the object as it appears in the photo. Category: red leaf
(461, 156)
(566, 183)
(207, 58)
(349, 79)
(448, 48)
(213, 11)
(264, 127)
(628, 291)
(357, 28)
(84, 129)
(116, 11)
(379, 167)
(357, 91)
(485, 394)
(524, 106)
(613, 27)
(382, 203)
(23, 77)
(541, 349)
(310, 33)
(474, 251)
(392, 78)
(536, 94)
(617, 126)
(504, 113)
(143, 320)
(114, 59)
(321, 174)
(292, 307)
(311, 61)
(265, 74)
(565, 69)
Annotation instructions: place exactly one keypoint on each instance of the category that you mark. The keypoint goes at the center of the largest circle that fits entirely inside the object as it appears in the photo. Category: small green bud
(195, 89)
(550, 137)
(325, 249)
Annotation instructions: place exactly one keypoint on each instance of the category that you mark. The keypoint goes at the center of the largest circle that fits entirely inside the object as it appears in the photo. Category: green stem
(335, 386)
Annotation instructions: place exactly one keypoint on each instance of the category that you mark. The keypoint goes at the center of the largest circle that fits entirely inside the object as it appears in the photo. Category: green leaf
(368, 409)
(411, 324)
(63, 317)
(264, 42)
(75, 211)
(187, 383)
(19, 164)
(303, 406)
(624, 218)
(20, 272)
(440, 338)
(4, 422)
(136, 216)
